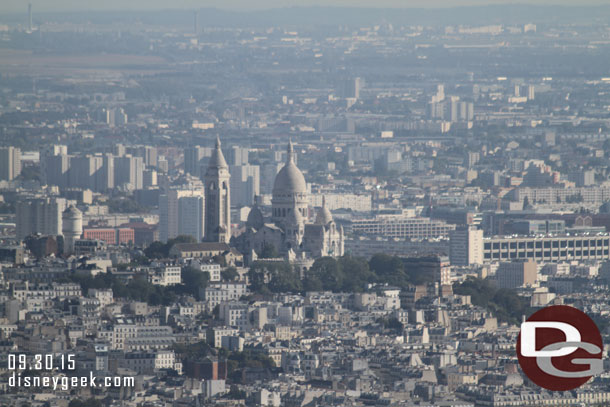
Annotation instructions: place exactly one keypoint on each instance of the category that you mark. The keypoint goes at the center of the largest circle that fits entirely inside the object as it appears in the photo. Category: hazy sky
(79, 5)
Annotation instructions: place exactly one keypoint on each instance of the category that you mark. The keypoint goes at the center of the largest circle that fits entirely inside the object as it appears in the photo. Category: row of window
(546, 254)
(547, 244)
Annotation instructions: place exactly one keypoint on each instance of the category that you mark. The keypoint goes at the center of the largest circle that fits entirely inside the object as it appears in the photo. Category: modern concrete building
(10, 163)
(41, 215)
(465, 247)
(547, 248)
(517, 274)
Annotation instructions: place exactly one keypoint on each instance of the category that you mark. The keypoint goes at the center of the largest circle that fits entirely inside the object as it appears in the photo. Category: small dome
(255, 218)
(323, 217)
(294, 218)
(290, 179)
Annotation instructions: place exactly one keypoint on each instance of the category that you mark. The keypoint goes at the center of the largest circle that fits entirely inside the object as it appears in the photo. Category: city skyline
(14, 6)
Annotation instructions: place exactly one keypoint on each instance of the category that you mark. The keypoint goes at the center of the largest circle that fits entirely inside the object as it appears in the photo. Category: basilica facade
(288, 229)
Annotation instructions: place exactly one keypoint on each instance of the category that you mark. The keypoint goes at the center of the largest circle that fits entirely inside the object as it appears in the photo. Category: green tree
(229, 274)
(268, 277)
(504, 304)
(159, 250)
(156, 250)
(193, 280)
(328, 271)
(356, 274)
(384, 265)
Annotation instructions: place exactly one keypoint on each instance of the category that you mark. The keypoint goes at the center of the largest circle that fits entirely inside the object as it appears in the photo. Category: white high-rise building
(54, 165)
(245, 184)
(466, 247)
(129, 171)
(169, 210)
(191, 216)
(10, 163)
(83, 171)
(194, 158)
(531, 92)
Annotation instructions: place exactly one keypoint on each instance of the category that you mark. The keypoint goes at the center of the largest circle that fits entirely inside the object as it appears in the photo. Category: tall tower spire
(217, 198)
(290, 151)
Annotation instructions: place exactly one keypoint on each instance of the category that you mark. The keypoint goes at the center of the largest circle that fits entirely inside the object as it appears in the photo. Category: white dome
(290, 179)
(294, 218)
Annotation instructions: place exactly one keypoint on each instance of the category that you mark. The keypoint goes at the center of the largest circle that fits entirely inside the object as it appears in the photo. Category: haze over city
(304, 203)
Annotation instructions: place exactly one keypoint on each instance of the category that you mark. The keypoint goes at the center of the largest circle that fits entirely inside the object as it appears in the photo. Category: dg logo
(560, 348)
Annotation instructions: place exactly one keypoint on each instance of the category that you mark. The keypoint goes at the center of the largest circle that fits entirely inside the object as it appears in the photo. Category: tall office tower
(466, 111)
(10, 163)
(110, 117)
(191, 216)
(42, 215)
(150, 178)
(116, 117)
(55, 165)
(105, 180)
(119, 150)
(452, 109)
(30, 25)
(149, 154)
(517, 91)
(194, 159)
(531, 92)
(120, 117)
(245, 184)
(466, 247)
(238, 155)
(351, 88)
(169, 209)
(217, 198)
(129, 172)
(440, 92)
(72, 228)
(436, 110)
(84, 171)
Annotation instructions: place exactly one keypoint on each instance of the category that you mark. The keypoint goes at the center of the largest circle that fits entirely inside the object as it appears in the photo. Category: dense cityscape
(271, 211)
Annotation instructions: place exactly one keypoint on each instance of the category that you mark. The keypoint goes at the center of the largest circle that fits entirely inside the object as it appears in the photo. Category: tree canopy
(343, 274)
(504, 304)
(160, 250)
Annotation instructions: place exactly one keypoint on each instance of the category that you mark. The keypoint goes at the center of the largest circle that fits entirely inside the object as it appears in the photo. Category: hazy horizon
(18, 6)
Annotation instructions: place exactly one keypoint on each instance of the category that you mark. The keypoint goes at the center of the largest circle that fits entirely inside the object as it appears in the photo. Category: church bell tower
(217, 198)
